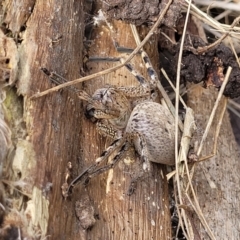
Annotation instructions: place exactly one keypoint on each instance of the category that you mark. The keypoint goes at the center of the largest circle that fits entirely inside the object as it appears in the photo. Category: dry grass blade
(183, 185)
(189, 127)
(217, 131)
(206, 48)
(237, 113)
(79, 80)
(177, 178)
(195, 205)
(208, 20)
(234, 50)
(234, 104)
(219, 4)
(174, 89)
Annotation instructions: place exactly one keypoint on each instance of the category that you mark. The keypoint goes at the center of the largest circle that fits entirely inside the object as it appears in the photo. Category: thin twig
(208, 19)
(223, 14)
(150, 33)
(214, 109)
(174, 89)
(217, 131)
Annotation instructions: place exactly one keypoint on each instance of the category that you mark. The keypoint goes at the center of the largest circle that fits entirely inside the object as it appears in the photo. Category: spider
(144, 124)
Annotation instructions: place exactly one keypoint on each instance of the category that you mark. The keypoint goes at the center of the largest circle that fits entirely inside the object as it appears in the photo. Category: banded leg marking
(85, 175)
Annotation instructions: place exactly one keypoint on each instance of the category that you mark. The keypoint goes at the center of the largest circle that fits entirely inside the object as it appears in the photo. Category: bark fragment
(141, 12)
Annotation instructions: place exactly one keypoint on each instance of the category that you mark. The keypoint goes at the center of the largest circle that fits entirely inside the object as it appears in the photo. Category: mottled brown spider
(144, 124)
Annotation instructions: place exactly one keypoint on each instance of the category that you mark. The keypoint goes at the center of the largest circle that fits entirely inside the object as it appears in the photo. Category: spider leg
(146, 88)
(58, 79)
(150, 70)
(137, 139)
(101, 112)
(142, 90)
(113, 163)
(85, 175)
(105, 129)
(142, 149)
(115, 144)
(122, 49)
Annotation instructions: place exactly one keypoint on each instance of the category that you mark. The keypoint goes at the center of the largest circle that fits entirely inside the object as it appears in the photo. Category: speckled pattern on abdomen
(156, 124)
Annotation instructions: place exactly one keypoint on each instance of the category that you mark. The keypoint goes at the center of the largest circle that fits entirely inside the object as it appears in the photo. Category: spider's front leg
(145, 87)
(107, 130)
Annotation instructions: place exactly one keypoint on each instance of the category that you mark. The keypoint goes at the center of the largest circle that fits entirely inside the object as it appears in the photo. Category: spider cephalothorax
(117, 107)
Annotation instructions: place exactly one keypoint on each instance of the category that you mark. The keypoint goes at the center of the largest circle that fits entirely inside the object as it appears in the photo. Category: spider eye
(101, 95)
(89, 114)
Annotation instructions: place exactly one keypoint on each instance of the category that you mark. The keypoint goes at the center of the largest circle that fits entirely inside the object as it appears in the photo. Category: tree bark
(52, 37)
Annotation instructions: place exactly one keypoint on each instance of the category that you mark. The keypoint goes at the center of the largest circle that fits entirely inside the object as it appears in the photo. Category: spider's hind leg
(142, 90)
(141, 147)
(93, 170)
(113, 163)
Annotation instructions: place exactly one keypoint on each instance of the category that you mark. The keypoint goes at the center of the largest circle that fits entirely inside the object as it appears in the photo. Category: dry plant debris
(206, 67)
(142, 12)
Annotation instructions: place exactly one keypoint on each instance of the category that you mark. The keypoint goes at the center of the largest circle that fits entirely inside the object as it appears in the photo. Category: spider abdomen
(155, 124)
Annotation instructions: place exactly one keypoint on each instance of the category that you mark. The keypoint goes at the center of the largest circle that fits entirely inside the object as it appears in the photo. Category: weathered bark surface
(54, 39)
(142, 12)
(15, 20)
(220, 205)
